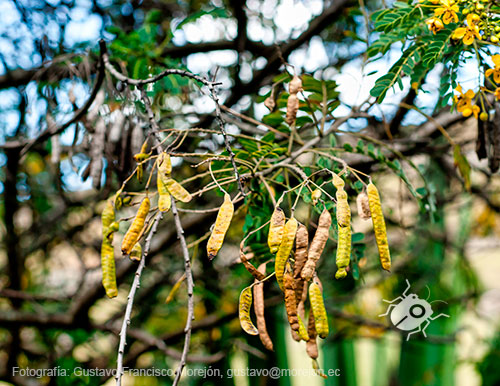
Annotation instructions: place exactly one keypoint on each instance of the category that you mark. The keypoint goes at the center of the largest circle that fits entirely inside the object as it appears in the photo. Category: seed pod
(249, 266)
(290, 300)
(270, 103)
(258, 307)
(318, 309)
(295, 85)
(292, 106)
(301, 244)
(302, 330)
(139, 158)
(285, 249)
(136, 228)
(379, 226)
(343, 252)
(164, 200)
(244, 312)
(164, 165)
(107, 216)
(108, 268)
(343, 209)
(221, 226)
(337, 181)
(312, 344)
(136, 252)
(176, 190)
(276, 229)
(315, 196)
(317, 245)
(363, 206)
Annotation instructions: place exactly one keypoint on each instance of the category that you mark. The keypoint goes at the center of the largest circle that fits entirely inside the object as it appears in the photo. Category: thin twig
(190, 287)
(130, 300)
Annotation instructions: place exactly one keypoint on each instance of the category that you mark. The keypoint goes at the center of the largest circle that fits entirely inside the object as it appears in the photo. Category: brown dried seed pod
(317, 245)
(258, 306)
(312, 344)
(292, 106)
(290, 300)
(301, 244)
(270, 103)
(363, 206)
(249, 266)
(295, 85)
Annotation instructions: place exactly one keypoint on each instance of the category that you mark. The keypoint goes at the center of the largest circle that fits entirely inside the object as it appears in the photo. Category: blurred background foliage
(52, 308)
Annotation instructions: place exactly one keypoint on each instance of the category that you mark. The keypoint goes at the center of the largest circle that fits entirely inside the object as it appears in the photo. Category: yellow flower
(464, 102)
(448, 10)
(434, 24)
(496, 70)
(469, 32)
(497, 93)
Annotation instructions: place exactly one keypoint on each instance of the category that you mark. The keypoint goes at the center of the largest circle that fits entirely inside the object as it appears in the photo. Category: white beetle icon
(411, 313)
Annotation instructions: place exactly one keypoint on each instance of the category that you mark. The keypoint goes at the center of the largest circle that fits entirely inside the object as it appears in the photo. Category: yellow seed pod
(343, 252)
(379, 226)
(290, 300)
(244, 312)
(222, 223)
(301, 244)
(363, 206)
(164, 201)
(176, 190)
(337, 181)
(295, 85)
(136, 228)
(315, 196)
(140, 173)
(139, 158)
(164, 165)
(107, 217)
(284, 250)
(318, 309)
(292, 106)
(108, 268)
(118, 202)
(317, 245)
(136, 252)
(343, 209)
(302, 330)
(276, 229)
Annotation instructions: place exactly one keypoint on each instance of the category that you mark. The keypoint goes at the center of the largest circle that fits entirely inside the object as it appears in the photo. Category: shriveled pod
(284, 250)
(317, 245)
(292, 106)
(301, 244)
(244, 312)
(337, 181)
(136, 228)
(312, 344)
(363, 206)
(318, 309)
(164, 165)
(343, 252)
(343, 209)
(290, 300)
(224, 217)
(136, 252)
(108, 268)
(107, 216)
(379, 226)
(140, 158)
(295, 85)
(249, 266)
(177, 190)
(300, 294)
(258, 307)
(164, 200)
(276, 228)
